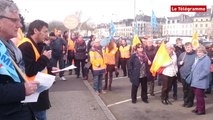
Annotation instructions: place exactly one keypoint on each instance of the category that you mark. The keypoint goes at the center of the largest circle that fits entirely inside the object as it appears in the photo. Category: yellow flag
(195, 42)
(161, 57)
(135, 41)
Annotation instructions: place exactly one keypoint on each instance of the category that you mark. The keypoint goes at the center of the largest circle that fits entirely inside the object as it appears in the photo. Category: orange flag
(161, 57)
(135, 40)
(19, 37)
(195, 42)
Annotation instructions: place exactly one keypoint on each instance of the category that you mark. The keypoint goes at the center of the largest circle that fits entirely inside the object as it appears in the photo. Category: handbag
(211, 68)
(160, 70)
(189, 78)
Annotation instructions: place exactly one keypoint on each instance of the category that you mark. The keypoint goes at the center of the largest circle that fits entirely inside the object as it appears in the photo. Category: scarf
(142, 57)
(15, 53)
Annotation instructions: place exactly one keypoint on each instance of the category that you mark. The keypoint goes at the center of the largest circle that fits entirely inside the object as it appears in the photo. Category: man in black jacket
(13, 89)
(150, 50)
(59, 48)
(36, 61)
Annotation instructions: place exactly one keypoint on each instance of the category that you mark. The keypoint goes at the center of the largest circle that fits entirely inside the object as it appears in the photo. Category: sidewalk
(75, 99)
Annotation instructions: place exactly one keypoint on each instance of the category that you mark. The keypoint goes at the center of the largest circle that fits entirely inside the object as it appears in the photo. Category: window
(173, 21)
(206, 19)
(195, 25)
(201, 19)
(206, 25)
(201, 25)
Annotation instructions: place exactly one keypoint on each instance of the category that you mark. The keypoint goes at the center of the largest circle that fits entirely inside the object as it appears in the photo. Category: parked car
(206, 43)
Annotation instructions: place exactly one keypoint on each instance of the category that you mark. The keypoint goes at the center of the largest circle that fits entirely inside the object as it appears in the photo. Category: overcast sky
(99, 10)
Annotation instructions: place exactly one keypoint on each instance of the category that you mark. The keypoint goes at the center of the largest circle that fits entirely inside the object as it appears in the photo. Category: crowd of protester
(40, 51)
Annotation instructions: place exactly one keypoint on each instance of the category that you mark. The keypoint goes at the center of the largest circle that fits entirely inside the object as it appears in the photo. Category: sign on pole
(71, 22)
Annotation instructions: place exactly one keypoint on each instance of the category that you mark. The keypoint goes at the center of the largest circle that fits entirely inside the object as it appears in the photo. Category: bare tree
(57, 25)
(83, 25)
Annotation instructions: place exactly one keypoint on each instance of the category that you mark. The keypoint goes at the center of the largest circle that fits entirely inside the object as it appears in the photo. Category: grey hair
(7, 6)
(169, 45)
(201, 48)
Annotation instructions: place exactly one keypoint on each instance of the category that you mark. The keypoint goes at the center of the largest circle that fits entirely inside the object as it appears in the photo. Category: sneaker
(102, 92)
(85, 78)
(97, 93)
(63, 78)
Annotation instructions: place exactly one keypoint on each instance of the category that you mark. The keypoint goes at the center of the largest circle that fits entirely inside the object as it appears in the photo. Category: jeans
(41, 115)
(97, 81)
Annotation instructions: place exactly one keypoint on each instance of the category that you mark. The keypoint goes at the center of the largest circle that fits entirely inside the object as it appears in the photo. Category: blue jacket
(58, 46)
(200, 72)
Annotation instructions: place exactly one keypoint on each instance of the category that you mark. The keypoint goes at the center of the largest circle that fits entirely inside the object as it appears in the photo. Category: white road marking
(124, 101)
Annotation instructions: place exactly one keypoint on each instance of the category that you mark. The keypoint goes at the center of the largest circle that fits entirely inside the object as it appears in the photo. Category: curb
(105, 109)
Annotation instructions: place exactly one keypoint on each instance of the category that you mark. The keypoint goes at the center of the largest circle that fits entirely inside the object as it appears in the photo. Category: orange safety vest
(37, 56)
(70, 44)
(109, 57)
(125, 51)
(97, 61)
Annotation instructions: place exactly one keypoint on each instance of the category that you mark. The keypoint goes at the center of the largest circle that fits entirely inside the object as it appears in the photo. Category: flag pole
(134, 9)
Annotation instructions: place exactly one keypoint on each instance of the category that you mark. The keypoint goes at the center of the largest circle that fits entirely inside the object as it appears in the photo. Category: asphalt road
(74, 99)
(119, 102)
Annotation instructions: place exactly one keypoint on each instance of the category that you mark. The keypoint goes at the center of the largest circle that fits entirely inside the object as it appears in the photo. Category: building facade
(181, 26)
(203, 23)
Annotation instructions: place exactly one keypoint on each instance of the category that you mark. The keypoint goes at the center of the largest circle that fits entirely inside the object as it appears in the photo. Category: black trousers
(70, 57)
(143, 82)
(123, 62)
(166, 86)
(80, 65)
(188, 94)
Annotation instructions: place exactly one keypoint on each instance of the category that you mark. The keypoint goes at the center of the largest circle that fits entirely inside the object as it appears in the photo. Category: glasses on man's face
(14, 20)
